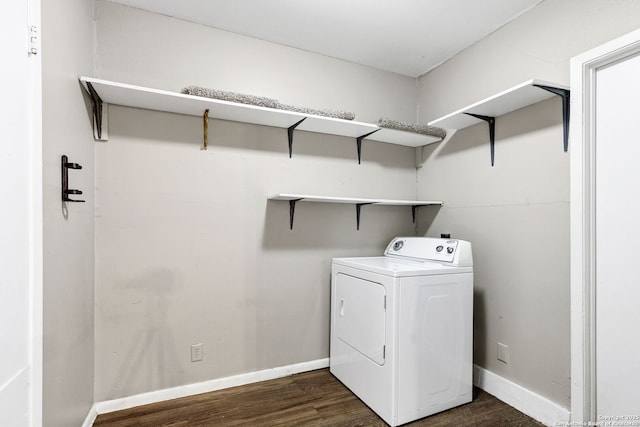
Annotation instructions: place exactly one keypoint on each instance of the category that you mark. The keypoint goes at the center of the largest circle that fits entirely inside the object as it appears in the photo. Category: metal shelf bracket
(290, 130)
(99, 115)
(491, 121)
(292, 211)
(565, 94)
(359, 143)
(358, 206)
(414, 209)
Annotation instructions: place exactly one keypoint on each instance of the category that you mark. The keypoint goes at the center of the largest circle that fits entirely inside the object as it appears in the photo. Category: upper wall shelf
(293, 198)
(103, 91)
(524, 94)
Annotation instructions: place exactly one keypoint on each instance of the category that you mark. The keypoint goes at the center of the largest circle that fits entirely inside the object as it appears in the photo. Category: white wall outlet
(503, 353)
(196, 352)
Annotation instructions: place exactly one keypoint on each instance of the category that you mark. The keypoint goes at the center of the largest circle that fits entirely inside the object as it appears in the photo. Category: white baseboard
(91, 417)
(207, 386)
(524, 400)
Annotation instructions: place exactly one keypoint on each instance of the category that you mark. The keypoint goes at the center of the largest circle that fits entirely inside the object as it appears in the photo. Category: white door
(617, 226)
(605, 231)
(20, 219)
(360, 316)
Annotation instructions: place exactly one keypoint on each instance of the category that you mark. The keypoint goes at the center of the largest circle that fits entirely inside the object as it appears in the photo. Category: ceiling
(409, 37)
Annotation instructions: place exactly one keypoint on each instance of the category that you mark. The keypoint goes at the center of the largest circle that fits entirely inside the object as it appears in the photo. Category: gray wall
(151, 50)
(67, 52)
(188, 248)
(516, 214)
(537, 44)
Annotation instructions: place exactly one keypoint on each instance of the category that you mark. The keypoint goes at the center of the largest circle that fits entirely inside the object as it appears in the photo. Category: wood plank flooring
(313, 398)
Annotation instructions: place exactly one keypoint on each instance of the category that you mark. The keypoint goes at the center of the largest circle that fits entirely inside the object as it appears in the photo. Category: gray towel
(262, 101)
(223, 95)
(336, 114)
(409, 127)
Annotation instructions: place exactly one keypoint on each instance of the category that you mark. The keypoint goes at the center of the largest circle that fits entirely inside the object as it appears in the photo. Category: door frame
(582, 217)
(23, 175)
(36, 231)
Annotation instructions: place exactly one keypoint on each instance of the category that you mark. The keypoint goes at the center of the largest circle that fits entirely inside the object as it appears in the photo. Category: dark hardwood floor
(313, 398)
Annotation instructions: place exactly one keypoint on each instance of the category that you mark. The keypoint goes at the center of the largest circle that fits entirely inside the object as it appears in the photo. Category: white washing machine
(401, 327)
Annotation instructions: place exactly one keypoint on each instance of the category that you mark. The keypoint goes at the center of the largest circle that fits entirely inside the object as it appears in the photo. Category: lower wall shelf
(294, 198)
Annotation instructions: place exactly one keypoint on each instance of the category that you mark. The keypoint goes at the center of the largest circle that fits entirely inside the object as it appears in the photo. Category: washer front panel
(427, 356)
(360, 316)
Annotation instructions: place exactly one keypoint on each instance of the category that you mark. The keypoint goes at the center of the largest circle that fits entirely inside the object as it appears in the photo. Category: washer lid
(398, 267)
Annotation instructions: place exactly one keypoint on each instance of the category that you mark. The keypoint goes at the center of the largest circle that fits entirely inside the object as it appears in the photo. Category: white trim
(207, 386)
(582, 211)
(524, 400)
(537, 407)
(35, 261)
(91, 417)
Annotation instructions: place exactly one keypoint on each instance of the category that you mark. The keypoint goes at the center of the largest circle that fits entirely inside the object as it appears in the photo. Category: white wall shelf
(104, 91)
(519, 96)
(358, 202)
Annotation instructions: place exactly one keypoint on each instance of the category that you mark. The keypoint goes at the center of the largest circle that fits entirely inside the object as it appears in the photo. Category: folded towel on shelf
(410, 127)
(224, 95)
(262, 101)
(336, 114)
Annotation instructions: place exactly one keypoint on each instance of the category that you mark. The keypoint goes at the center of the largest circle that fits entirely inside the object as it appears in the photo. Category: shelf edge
(487, 100)
(351, 200)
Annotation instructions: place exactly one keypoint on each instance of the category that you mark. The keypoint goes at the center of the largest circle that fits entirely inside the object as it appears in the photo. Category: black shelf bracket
(565, 94)
(65, 166)
(359, 143)
(491, 121)
(290, 130)
(414, 209)
(358, 206)
(292, 211)
(96, 101)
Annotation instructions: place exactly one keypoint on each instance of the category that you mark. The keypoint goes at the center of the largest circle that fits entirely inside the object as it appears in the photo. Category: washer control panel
(428, 249)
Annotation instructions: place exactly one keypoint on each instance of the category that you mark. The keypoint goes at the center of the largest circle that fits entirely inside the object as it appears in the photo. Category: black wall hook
(66, 165)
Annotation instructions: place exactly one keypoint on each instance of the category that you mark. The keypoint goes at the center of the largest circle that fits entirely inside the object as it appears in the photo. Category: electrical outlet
(503, 353)
(196, 352)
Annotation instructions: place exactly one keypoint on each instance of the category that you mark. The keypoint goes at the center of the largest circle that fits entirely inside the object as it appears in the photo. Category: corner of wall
(524, 400)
